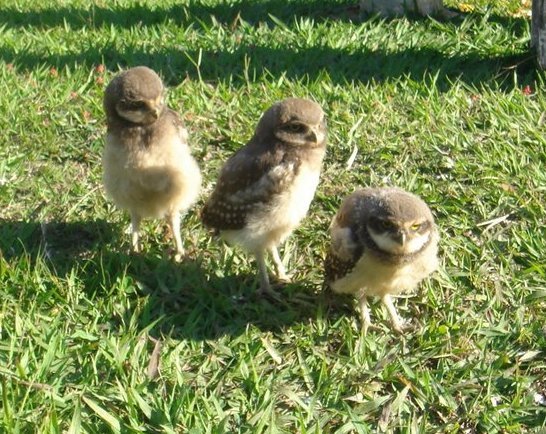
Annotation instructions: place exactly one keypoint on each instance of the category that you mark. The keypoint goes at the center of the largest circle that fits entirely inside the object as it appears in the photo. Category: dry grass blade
(153, 365)
(351, 135)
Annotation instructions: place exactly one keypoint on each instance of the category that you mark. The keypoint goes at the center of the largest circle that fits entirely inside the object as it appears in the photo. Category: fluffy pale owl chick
(383, 241)
(264, 190)
(147, 165)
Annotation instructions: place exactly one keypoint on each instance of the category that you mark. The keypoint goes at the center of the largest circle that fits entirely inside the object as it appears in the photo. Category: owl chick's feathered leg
(279, 266)
(173, 220)
(364, 314)
(397, 323)
(135, 232)
(265, 285)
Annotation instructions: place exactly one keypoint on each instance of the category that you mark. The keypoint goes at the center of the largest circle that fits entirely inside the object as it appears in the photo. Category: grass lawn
(95, 340)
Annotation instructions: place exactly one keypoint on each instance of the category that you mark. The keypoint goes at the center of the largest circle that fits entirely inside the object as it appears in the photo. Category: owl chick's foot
(399, 327)
(175, 254)
(265, 289)
(135, 247)
(404, 327)
(179, 256)
(368, 326)
(283, 279)
(268, 292)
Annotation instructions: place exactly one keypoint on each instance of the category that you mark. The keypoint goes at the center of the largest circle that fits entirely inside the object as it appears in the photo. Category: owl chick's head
(398, 222)
(135, 96)
(295, 122)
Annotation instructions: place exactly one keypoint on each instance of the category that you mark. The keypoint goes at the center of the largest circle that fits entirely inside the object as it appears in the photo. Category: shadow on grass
(186, 301)
(226, 13)
(184, 14)
(58, 241)
(340, 65)
(204, 305)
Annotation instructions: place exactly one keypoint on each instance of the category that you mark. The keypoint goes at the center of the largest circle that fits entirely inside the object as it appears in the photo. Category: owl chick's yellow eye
(415, 227)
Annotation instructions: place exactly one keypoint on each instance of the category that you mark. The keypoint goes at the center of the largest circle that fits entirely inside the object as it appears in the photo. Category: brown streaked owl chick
(264, 190)
(383, 241)
(147, 165)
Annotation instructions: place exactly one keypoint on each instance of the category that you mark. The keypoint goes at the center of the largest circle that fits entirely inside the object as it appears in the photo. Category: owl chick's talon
(404, 327)
(399, 328)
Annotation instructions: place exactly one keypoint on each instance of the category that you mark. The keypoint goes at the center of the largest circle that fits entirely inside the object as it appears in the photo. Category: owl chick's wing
(344, 253)
(249, 180)
(346, 249)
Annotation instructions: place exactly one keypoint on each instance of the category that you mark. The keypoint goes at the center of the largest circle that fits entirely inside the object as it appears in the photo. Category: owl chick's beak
(400, 237)
(155, 112)
(317, 135)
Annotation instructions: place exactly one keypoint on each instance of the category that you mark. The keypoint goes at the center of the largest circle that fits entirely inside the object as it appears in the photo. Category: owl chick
(147, 165)
(264, 190)
(383, 241)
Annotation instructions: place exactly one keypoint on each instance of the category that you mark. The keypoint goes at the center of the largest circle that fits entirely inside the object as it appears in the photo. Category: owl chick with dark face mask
(383, 241)
(264, 190)
(147, 165)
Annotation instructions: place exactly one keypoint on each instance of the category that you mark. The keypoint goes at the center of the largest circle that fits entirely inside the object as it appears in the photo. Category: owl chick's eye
(295, 128)
(416, 226)
(384, 225)
(135, 105)
(387, 225)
